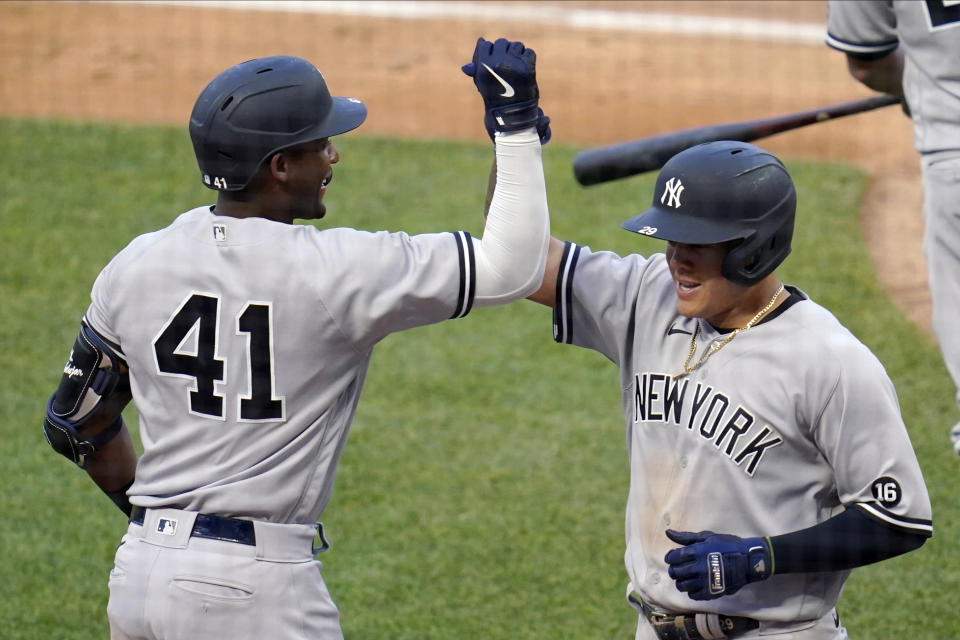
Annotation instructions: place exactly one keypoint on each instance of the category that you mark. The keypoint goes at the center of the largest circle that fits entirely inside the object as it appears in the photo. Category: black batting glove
(504, 73)
(543, 126)
(710, 565)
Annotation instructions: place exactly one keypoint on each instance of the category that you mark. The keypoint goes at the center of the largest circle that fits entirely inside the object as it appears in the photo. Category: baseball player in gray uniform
(912, 49)
(767, 453)
(244, 340)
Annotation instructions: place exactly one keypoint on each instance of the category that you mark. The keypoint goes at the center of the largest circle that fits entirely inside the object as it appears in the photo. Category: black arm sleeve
(867, 57)
(121, 499)
(847, 540)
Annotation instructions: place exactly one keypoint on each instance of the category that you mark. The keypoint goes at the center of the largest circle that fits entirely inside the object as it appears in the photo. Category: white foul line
(743, 28)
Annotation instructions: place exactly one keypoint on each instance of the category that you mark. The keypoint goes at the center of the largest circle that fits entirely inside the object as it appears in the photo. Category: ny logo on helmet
(671, 193)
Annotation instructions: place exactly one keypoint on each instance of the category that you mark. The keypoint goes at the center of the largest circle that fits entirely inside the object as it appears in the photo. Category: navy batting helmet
(258, 107)
(722, 191)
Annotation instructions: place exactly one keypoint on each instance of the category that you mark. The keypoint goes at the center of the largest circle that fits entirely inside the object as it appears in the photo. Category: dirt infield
(112, 61)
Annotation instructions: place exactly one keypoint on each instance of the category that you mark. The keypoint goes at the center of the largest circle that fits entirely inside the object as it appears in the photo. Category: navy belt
(213, 527)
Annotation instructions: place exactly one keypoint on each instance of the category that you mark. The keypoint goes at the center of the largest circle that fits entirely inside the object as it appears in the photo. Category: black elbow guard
(91, 375)
(67, 441)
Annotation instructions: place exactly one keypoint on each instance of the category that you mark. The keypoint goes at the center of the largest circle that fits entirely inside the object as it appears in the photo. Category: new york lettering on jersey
(707, 412)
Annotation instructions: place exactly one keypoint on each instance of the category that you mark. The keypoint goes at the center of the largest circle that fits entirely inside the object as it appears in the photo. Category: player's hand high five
(506, 77)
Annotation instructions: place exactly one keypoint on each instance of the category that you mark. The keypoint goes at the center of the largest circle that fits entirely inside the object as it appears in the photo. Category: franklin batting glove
(710, 565)
(504, 73)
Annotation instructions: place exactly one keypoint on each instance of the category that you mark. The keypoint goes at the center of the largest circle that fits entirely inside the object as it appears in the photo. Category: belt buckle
(657, 616)
(675, 626)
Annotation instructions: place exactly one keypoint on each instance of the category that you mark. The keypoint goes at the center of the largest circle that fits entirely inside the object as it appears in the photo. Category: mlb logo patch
(167, 526)
(220, 232)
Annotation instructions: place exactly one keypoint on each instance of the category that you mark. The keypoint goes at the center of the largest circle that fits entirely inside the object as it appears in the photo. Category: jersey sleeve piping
(468, 274)
(113, 345)
(563, 308)
(872, 49)
(915, 525)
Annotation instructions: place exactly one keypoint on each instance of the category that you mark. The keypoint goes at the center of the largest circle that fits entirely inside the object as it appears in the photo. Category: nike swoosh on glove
(504, 73)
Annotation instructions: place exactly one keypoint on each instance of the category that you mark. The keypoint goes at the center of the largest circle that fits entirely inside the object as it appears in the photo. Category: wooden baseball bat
(602, 164)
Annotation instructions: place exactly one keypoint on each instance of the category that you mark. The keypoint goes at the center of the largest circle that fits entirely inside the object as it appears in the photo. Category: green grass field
(482, 490)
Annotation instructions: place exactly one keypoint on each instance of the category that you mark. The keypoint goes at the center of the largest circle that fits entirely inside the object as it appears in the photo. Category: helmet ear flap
(756, 257)
(742, 261)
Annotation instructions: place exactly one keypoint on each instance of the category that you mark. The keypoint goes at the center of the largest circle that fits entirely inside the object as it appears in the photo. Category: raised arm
(510, 256)
(546, 294)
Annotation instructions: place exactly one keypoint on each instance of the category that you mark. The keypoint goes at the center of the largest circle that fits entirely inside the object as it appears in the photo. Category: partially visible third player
(912, 49)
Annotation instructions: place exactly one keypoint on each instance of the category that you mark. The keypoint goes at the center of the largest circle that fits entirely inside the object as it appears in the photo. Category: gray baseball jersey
(791, 422)
(929, 33)
(248, 342)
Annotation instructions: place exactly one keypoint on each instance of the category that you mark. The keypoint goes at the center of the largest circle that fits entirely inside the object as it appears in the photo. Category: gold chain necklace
(716, 346)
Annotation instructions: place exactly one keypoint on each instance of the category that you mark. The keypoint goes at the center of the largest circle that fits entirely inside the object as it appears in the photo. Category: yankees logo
(671, 193)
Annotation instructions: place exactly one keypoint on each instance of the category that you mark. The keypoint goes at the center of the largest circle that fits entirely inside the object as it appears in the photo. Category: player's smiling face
(703, 291)
(311, 169)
